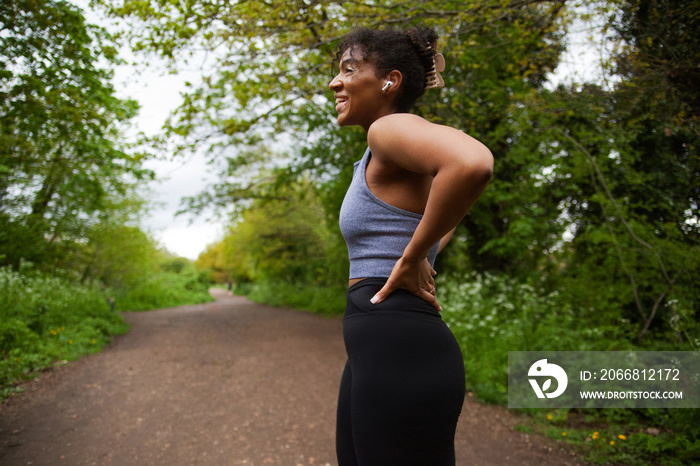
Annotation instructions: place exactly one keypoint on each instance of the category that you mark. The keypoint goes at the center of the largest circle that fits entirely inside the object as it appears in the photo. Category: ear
(396, 78)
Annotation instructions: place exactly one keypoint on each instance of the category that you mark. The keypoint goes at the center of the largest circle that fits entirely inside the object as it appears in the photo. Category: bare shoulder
(418, 145)
(399, 124)
(398, 119)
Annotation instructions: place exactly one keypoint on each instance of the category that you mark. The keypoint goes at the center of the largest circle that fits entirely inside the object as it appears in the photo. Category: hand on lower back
(416, 277)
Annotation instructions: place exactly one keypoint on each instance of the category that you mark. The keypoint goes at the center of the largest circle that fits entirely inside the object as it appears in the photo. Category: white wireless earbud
(387, 85)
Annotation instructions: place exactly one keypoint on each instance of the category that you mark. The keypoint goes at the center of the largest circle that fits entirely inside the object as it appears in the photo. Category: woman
(403, 386)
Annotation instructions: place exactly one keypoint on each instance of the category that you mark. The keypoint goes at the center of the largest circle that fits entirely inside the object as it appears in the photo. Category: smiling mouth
(340, 103)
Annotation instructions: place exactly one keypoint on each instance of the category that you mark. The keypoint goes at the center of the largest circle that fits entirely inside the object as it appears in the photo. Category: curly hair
(411, 52)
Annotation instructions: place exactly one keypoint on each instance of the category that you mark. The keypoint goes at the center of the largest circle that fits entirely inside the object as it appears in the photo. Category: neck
(388, 111)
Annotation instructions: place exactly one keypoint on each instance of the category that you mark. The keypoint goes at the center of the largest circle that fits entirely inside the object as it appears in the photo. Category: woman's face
(358, 92)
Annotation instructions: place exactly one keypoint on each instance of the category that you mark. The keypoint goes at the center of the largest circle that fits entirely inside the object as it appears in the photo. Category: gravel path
(225, 383)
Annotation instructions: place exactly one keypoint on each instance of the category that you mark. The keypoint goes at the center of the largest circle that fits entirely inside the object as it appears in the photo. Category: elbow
(486, 165)
(480, 166)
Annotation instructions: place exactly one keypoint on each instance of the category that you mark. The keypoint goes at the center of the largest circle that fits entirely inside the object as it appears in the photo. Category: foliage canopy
(63, 165)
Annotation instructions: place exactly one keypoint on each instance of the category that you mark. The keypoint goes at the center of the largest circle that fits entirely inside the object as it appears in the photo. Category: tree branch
(610, 196)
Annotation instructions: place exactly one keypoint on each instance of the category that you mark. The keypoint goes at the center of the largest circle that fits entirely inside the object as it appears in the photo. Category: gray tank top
(376, 232)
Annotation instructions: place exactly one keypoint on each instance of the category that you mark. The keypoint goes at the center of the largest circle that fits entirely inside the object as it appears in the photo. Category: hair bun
(424, 39)
(425, 42)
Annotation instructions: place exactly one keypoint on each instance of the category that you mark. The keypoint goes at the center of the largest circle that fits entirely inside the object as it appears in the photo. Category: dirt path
(225, 383)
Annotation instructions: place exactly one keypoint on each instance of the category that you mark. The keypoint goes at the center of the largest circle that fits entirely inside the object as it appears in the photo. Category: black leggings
(403, 385)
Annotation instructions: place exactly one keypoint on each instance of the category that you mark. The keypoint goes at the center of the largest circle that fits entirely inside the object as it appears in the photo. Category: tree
(214, 260)
(119, 255)
(658, 103)
(283, 236)
(623, 174)
(62, 161)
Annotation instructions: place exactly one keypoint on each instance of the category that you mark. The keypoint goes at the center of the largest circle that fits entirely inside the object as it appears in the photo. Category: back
(375, 232)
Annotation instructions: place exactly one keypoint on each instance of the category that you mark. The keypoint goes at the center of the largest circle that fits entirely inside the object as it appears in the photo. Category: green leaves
(60, 131)
(284, 236)
(44, 318)
(271, 62)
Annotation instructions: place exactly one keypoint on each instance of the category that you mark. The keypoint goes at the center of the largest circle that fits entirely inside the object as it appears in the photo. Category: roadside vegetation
(48, 319)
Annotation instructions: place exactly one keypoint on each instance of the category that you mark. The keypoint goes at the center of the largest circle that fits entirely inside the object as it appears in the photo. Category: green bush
(635, 437)
(178, 283)
(491, 315)
(14, 334)
(44, 318)
(318, 299)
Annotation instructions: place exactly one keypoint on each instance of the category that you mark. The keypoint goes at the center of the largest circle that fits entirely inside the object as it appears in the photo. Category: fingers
(381, 295)
(428, 295)
(415, 277)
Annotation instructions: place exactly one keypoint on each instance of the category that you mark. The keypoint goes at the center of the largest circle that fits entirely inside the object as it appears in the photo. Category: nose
(335, 83)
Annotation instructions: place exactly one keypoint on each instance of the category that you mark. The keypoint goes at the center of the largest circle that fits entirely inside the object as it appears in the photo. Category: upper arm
(417, 145)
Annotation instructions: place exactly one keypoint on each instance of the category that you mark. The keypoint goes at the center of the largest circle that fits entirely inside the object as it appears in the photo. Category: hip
(399, 304)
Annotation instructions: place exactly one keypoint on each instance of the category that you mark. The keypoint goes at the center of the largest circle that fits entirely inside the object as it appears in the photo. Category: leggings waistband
(360, 293)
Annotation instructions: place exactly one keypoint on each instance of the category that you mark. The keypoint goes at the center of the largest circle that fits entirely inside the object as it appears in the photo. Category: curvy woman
(403, 387)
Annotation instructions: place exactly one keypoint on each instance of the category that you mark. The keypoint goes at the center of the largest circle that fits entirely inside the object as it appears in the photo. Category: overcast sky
(158, 95)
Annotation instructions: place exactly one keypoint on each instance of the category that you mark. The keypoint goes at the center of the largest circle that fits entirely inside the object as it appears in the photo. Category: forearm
(453, 193)
(446, 239)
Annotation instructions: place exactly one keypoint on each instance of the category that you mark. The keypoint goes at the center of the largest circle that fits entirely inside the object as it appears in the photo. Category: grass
(632, 437)
(46, 318)
(162, 290)
(316, 299)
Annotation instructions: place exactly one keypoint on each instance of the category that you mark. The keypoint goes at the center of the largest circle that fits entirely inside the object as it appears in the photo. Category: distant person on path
(229, 284)
(403, 386)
